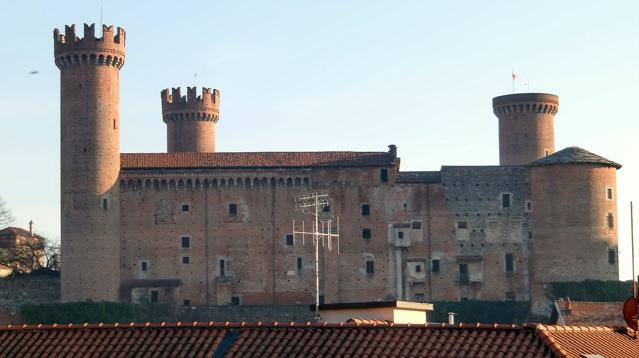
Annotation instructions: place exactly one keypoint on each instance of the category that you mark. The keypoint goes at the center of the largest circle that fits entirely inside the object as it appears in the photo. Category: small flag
(514, 75)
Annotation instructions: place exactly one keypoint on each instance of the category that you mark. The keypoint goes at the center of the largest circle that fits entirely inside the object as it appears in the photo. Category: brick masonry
(199, 234)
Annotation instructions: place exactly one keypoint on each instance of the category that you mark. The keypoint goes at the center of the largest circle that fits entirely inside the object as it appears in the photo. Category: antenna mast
(321, 233)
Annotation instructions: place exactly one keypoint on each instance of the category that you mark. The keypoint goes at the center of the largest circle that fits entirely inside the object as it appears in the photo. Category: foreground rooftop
(215, 339)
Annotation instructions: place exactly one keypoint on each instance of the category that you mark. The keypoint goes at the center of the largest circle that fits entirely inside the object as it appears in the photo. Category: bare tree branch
(5, 215)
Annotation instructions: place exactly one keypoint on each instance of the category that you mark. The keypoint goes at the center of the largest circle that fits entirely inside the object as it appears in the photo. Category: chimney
(31, 228)
(392, 150)
(451, 317)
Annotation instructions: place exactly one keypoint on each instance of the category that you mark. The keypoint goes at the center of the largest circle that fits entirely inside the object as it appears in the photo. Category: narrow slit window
(370, 267)
(609, 193)
(610, 220)
(222, 265)
(510, 263)
(298, 265)
(383, 175)
(612, 256)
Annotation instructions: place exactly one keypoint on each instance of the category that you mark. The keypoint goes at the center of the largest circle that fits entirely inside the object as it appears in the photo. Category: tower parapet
(107, 50)
(90, 161)
(191, 119)
(526, 126)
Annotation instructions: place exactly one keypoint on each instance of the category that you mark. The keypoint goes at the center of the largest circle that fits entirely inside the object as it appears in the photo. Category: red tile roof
(268, 340)
(254, 160)
(584, 313)
(573, 341)
(314, 339)
(18, 232)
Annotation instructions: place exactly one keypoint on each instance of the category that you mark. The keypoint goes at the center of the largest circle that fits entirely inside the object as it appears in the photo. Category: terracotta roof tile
(263, 339)
(254, 160)
(18, 231)
(591, 313)
(572, 341)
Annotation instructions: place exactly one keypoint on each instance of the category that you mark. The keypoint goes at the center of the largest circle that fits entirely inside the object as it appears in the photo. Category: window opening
(366, 210)
(434, 265)
(290, 240)
(383, 175)
(186, 242)
(510, 263)
(232, 209)
(370, 267)
(366, 234)
(186, 260)
(505, 200)
(154, 296)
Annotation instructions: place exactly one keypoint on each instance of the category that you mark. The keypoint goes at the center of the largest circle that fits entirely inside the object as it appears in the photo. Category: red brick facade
(204, 228)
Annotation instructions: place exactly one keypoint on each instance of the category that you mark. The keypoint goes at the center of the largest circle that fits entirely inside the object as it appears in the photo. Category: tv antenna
(321, 233)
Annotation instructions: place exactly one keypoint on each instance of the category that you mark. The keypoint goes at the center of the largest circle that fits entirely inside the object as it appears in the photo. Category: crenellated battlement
(543, 103)
(108, 50)
(205, 107)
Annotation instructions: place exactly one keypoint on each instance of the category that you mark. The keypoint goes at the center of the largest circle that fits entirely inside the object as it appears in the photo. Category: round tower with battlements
(190, 120)
(526, 126)
(90, 161)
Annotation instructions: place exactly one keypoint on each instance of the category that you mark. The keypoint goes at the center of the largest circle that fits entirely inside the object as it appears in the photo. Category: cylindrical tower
(190, 120)
(526, 126)
(574, 218)
(90, 161)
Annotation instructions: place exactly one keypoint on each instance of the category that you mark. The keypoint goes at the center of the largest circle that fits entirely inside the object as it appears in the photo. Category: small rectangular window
(298, 265)
(370, 267)
(144, 266)
(464, 277)
(418, 268)
(105, 203)
(610, 221)
(186, 303)
(462, 224)
(232, 209)
(528, 205)
(186, 208)
(186, 260)
(505, 200)
(222, 266)
(416, 225)
(434, 265)
(366, 210)
(186, 242)
(400, 234)
(609, 193)
(235, 300)
(154, 296)
(419, 297)
(530, 235)
(510, 296)
(510, 263)
(290, 240)
(366, 234)
(612, 256)
(383, 175)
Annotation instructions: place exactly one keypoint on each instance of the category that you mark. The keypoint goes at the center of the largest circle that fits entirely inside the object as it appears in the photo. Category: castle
(198, 227)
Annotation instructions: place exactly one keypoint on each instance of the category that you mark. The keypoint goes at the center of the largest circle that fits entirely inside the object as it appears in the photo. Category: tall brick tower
(574, 219)
(90, 161)
(526, 126)
(190, 120)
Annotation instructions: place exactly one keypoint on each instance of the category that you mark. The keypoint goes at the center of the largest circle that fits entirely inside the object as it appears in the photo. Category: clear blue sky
(332, 75)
